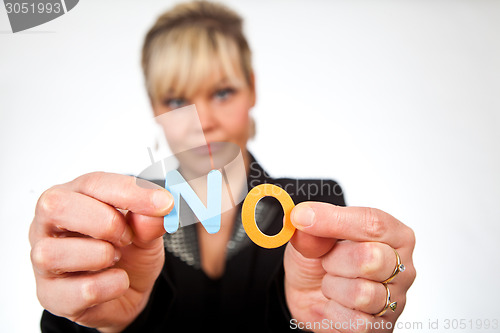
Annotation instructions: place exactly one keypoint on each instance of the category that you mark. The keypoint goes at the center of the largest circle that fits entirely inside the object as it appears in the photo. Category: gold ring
(399, 268)
(388, 303)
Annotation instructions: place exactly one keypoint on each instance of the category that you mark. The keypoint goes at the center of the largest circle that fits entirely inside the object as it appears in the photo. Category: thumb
(145, 228)
(308, 245)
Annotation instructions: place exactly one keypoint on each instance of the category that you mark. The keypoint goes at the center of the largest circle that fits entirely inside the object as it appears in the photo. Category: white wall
(397, 100)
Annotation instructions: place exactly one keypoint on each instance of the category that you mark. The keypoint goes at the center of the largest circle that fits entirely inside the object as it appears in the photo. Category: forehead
(205, 85)
(188, 61)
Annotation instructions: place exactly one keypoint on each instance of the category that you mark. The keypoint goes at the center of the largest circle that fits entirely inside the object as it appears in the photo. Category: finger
(311, 246)
(69, 297)
(344, 319)
(302, 272)
(369, 260)
(109, 315)
(353, 223)
(125, 192)
(145, 228)
(143, 268)
(55, 256)
(61, 210)
(358, 294)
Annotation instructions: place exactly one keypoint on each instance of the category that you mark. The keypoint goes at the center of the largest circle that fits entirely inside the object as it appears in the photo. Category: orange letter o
(248, 216)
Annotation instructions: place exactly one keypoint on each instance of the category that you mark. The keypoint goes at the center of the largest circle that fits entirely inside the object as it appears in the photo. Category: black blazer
(249, 297)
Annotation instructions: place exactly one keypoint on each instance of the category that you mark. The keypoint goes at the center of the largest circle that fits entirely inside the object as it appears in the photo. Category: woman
(100, 260)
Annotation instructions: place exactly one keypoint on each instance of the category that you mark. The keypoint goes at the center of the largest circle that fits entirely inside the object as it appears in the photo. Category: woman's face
(222, 108)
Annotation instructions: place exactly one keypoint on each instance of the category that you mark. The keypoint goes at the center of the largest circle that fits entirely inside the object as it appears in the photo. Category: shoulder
(323, 190)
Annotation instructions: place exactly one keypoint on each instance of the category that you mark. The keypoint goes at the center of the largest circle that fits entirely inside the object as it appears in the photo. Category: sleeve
(54, 324)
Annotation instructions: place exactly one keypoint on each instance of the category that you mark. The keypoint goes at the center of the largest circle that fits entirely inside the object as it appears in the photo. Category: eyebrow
(227, 81)
(219, 84)
(170, 94)
(222, 82)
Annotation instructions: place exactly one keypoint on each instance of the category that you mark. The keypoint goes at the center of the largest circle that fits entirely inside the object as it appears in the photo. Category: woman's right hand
(97, 248)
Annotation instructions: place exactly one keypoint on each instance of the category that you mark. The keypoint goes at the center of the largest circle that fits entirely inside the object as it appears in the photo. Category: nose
(206, 116)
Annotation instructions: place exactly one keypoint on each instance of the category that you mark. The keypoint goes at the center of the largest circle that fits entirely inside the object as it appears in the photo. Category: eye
(223, 94)
(174, 103)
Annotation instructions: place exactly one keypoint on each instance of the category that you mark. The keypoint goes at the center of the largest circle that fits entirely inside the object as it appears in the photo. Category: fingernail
(303, 216)
(162, 199)
(117, 255)
(126, 238)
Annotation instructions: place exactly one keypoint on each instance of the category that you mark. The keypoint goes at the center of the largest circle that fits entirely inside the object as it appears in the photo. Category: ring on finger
(388, 303)
(399, 268)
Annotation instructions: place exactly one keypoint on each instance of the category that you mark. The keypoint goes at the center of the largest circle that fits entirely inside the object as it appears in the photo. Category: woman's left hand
(335, 266)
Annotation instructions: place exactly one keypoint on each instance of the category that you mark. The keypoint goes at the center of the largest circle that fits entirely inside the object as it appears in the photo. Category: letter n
(209, 216)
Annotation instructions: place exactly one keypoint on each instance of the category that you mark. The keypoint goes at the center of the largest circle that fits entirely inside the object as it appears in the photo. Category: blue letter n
(209, 216)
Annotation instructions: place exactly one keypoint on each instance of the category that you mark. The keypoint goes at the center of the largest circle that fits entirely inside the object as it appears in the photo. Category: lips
(206, 150)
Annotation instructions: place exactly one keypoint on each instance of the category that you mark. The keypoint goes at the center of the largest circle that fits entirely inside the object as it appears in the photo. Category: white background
(397, 100)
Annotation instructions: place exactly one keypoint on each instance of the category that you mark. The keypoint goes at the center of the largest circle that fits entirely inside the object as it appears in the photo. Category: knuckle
(40, 256)
(90, 292)
(326, 263)
(412, 273)
(49, 202)
(32, 233)
(130, 186)
(371, 259)
(375, 226)
(362, 323)
(411, 237)
(107, 254)
(89, 181)
(110, 226)
(401, 303)
(70, 311)
(131, 182)
(362, 326)
(326, 289)
(364, 293)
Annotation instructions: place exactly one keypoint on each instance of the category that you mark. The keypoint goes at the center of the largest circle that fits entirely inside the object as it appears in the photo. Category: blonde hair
(187, 43)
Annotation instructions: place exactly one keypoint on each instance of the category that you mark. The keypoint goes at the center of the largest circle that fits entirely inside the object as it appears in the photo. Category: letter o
(248, 216)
